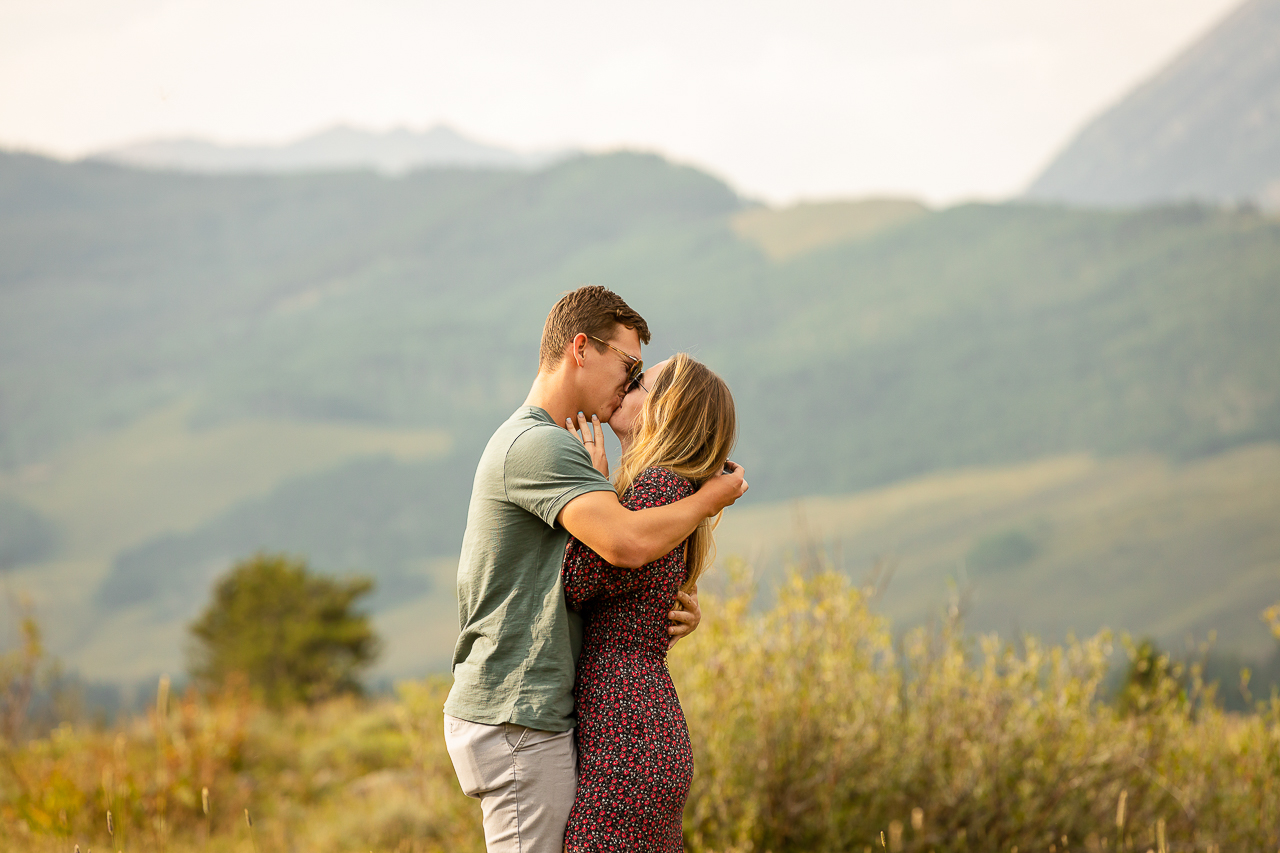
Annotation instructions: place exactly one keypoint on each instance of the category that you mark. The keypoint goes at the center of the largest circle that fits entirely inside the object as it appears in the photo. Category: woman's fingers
(586, 431)
(587, 427)
(591, 434)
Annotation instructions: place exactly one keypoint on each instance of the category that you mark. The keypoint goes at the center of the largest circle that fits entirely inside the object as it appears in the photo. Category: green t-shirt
(515, 658)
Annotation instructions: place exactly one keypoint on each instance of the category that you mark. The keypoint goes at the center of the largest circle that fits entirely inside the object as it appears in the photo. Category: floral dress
(635, 763)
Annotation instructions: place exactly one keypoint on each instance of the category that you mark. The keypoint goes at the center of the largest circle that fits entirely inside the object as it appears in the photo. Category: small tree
(292, 633)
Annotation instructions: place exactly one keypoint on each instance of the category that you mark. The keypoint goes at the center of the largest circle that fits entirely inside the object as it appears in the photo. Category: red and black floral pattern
(635, 763)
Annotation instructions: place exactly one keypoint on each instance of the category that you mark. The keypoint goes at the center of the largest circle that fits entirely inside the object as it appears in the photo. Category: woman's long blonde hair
(687, 425)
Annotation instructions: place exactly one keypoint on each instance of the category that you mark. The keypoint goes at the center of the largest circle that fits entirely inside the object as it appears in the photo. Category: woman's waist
(650, 634)
(631, 655)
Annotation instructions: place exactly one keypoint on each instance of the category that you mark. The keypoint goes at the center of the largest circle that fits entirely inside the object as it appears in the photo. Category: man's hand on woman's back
(685, 617)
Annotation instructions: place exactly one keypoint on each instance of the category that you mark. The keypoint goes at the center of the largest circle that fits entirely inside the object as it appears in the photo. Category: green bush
(811, 731)
(293, 634)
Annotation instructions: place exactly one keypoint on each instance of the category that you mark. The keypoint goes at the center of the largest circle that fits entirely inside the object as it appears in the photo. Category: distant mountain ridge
(338, 148)
(1206, 127)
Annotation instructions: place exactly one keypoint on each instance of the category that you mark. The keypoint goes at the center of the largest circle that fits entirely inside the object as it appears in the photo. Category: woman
(635, 763)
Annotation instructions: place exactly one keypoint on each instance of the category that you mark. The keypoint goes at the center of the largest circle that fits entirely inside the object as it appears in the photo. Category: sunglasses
(635, 366)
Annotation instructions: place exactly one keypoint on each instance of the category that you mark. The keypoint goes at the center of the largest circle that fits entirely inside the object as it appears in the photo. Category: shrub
(811, 731)
(293, 634)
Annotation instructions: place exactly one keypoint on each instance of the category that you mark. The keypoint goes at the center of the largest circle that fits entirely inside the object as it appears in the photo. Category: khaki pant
(525, 780)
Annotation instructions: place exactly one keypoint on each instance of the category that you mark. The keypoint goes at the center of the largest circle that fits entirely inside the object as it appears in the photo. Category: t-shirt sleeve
(546, 468)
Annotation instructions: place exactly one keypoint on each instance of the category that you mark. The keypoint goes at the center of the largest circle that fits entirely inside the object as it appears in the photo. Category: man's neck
(551, 392)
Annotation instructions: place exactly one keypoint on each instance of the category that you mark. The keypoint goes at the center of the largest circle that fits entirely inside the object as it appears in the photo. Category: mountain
(194, 367)
(1205, 127)
(338, 148)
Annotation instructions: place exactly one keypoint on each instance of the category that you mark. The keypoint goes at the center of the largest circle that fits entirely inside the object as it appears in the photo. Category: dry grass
(341, 776)
(813, 730)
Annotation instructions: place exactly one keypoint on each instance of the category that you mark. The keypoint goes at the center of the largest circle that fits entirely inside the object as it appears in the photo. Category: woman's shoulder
(663, 479)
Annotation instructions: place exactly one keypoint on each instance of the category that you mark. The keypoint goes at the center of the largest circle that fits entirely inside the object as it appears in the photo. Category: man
(509, 717)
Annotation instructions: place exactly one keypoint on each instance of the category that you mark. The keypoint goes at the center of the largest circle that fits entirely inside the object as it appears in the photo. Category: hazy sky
(944, 99)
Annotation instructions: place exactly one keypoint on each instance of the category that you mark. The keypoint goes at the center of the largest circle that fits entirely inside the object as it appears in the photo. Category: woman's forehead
(651, 373)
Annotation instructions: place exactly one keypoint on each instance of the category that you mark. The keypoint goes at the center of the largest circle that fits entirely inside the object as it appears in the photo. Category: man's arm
(631, 539)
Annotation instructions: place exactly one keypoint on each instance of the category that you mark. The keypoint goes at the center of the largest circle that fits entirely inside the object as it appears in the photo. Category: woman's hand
(686, 617)
(591, 434)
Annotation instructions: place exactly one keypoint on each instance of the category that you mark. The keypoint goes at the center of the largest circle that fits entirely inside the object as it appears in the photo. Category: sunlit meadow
(813, 730)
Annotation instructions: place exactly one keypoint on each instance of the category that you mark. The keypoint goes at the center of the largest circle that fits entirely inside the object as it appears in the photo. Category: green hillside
(998, 334)
(195, 367)
(796, 230)
(1064, 544)
(321, 297)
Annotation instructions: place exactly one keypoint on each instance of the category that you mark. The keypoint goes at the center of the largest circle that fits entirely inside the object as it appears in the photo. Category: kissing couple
(563, 571)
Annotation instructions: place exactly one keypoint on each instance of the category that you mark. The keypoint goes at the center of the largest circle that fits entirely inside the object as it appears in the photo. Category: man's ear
(578, 348)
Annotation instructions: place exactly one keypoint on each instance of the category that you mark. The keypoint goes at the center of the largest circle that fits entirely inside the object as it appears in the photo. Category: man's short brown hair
(590, 310)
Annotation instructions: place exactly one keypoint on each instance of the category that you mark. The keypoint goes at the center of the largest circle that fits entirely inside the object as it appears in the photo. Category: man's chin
(606, 415)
